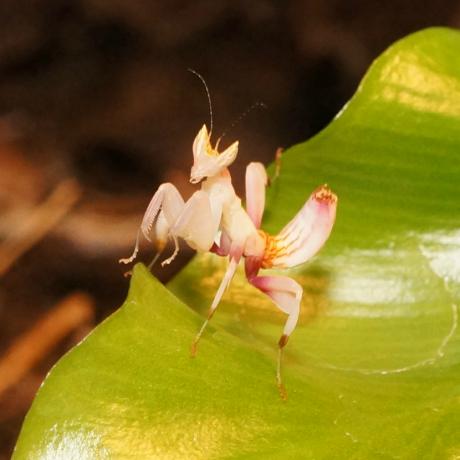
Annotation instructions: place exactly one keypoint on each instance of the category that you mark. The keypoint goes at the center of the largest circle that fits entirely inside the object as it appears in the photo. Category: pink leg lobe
(286, 294)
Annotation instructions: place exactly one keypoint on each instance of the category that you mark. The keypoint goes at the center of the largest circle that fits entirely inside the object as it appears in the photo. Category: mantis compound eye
(195, 176)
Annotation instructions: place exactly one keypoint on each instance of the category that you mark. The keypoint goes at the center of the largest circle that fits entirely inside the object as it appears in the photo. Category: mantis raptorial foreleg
(162, 212)
(256, 181)
(167, 216)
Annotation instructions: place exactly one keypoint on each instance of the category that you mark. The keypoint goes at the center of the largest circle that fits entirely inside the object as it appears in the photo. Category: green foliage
(373, 369)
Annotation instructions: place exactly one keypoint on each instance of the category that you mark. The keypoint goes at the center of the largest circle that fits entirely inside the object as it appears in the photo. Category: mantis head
(207, 161)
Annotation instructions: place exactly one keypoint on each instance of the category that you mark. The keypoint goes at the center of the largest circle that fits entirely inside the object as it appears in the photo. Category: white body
(235, 223)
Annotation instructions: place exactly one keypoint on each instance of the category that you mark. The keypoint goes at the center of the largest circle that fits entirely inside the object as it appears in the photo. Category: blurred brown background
(97, 109)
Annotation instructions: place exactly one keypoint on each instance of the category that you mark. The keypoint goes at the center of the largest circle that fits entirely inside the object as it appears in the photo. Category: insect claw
(128, 260)
(168, 260)
(174, 254)
(128, 274)
(193, 349)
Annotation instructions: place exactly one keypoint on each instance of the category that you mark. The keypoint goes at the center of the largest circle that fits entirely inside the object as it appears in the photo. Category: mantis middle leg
(235, 256)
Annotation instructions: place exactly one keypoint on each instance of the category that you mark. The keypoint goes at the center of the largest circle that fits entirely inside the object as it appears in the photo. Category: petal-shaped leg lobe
(285, 293)
(304, 235)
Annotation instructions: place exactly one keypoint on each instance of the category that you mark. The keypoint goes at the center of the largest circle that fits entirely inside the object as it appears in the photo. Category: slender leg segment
(231, 269)
(286, 294)
(129, 259)
(278, 155)
(155, 259)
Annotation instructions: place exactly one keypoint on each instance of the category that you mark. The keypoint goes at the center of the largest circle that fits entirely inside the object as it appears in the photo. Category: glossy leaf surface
(373, 369)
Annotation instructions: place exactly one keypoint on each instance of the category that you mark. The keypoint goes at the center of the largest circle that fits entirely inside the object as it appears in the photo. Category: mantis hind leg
(286, 294)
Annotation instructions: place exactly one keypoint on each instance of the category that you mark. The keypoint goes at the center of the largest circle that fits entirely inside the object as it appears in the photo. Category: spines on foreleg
(161, 214)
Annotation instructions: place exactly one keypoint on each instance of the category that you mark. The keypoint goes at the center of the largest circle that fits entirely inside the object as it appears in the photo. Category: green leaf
(373, 368)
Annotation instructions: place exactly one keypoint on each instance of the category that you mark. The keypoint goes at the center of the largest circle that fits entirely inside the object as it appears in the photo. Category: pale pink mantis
(214, 220)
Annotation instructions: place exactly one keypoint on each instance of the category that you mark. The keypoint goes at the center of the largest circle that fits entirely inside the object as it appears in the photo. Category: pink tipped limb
(305, 235)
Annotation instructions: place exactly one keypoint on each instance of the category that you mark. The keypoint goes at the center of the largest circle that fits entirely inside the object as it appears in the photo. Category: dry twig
(40, 221)
(28, 349)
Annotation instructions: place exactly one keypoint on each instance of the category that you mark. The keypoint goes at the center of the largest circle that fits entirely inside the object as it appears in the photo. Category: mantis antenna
(207, 93)
(256, 105)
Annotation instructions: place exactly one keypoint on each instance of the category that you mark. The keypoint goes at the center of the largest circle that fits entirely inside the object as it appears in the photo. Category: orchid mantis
(213, 219)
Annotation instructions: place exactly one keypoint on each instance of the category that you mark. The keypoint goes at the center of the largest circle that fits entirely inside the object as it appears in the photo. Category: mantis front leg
(167, 216)
(162, 212)
(197, 224)
(256, 181)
